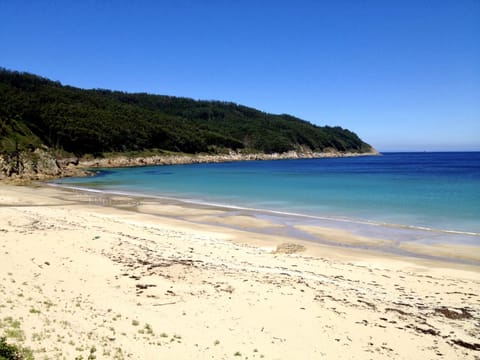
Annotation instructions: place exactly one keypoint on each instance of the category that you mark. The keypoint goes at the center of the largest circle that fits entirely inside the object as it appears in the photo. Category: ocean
(422, 197)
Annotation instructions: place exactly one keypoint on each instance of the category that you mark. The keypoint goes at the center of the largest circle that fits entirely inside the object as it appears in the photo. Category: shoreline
(185, 159)
(82, 276)
(361, 234)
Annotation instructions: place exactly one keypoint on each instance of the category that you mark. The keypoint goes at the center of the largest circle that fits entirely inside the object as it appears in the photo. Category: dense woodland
(36, 111)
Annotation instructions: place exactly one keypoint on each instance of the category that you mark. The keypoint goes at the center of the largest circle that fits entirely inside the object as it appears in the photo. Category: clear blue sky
(404, 75)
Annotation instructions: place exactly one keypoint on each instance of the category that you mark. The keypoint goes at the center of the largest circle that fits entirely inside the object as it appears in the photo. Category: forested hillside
(36, 111)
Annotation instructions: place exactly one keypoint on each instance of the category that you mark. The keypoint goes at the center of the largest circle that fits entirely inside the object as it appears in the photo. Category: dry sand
(85, 276)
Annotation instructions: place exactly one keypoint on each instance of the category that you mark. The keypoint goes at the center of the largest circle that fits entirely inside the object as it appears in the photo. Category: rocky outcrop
(124, 161)
(40, 164)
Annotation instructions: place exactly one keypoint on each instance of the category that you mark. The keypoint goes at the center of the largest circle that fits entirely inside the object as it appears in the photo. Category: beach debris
(144, 286)
(455, 314)
(471, 346)
(289, 248)
(401, 312)
(423, 330)
(228, 289)
(372, 306)
(167, 303)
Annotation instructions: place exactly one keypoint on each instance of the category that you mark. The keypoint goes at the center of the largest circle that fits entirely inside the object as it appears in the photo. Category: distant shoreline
(132, 161)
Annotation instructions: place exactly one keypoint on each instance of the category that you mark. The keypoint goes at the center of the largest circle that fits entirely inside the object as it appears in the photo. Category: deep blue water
(439, 191)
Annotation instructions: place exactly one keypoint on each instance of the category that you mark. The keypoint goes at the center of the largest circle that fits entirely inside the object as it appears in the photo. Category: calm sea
(434, 197)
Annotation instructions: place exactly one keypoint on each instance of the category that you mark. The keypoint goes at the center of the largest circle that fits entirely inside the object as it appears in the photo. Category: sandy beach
(86, 276)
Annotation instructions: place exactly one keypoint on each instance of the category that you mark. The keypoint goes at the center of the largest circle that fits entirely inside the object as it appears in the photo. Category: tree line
(35, 110)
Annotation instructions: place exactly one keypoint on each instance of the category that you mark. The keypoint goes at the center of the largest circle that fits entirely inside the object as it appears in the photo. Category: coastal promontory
(48, 130)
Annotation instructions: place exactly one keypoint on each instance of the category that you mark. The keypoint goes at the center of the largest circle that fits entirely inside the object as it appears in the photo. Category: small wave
(79, 188)
(424, 228)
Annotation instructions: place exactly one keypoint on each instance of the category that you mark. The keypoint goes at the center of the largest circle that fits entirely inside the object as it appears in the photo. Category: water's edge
(397, 234)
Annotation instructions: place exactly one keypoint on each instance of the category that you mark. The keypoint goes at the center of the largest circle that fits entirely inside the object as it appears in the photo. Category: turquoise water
(434, 192)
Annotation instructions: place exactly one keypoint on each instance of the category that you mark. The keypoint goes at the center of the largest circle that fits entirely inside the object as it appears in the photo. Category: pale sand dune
(82, 278)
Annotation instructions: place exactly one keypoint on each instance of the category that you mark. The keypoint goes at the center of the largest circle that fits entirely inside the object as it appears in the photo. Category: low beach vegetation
(9, 351)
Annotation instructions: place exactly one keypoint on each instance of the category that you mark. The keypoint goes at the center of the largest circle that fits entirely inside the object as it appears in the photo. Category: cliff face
(39, 164)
